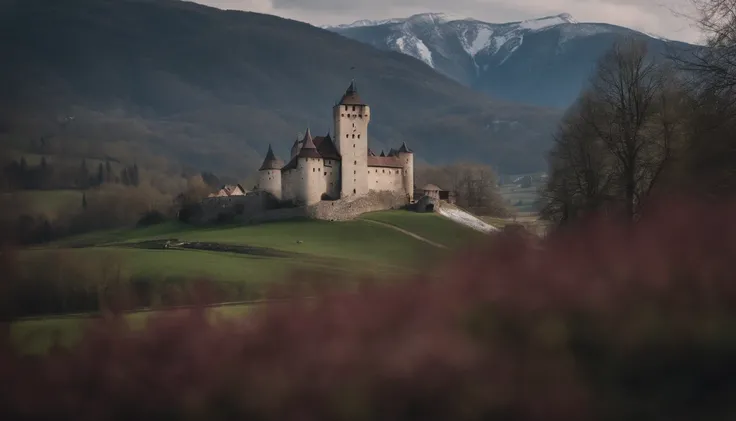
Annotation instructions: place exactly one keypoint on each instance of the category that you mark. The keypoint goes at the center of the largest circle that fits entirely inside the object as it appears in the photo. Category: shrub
(595, 322)
(152, 217)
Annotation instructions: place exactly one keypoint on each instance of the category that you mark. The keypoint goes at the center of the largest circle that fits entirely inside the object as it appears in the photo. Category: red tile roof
(385, 161)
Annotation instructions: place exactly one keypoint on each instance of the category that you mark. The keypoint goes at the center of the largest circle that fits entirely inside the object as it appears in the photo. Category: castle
(323, 168)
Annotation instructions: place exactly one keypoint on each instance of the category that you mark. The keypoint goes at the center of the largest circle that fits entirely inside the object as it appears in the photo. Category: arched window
(353, 107)
(355, 162)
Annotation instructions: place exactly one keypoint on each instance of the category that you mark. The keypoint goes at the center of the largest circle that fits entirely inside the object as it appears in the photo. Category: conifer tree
(100, 175)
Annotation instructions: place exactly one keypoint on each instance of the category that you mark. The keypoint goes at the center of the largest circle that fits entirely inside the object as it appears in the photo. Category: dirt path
(409, 233)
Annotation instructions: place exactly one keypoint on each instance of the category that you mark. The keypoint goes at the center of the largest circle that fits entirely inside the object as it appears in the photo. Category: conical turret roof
(404, 148)
(271, 162)
(351, 96)
(308, 150)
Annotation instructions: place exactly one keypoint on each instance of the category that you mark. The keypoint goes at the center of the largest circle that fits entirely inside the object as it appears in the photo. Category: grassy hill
(212, 88)
(348, 249)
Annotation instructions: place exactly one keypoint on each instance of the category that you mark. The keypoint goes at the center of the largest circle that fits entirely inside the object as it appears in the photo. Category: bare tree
(712, 149)
(475, 185)
(615, 143)
(714, 66)
(580, 174)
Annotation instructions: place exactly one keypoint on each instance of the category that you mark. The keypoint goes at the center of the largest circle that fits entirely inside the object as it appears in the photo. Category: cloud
(659, 17)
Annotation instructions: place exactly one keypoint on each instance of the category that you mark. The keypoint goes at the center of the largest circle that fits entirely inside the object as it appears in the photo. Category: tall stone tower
(351, 117)
(270, 174)
(309, 163)
(407, 158)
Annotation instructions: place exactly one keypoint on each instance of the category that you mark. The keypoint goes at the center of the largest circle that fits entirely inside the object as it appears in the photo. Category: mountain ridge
(545, 61)
(212, 88)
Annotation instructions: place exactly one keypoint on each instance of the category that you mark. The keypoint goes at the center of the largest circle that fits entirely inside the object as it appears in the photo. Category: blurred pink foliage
(600, 321)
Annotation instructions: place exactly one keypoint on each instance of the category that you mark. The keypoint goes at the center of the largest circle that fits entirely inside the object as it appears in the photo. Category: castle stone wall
(270, 181)
(385, 178)
(313, 179)
(290, 180)
(351, 138)
(331, 172)
(408, 173)
(351, 208)
(253, 209)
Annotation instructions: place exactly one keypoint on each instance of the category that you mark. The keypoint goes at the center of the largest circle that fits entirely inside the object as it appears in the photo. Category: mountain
(543, 61)
(212, 88)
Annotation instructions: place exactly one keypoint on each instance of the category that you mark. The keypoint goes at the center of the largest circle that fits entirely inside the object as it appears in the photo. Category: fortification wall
(352, 207)
(332, 178)
(289, 184)
(385, 178)
(257, 208)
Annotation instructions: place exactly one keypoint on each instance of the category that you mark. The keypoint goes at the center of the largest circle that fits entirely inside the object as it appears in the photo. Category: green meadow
(343, 249)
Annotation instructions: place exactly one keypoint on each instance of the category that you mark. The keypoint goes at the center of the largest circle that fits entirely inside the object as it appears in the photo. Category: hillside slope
(541, 61)
(213, 88)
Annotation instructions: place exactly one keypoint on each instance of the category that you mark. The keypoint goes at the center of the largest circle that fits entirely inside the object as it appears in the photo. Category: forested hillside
(211, 89)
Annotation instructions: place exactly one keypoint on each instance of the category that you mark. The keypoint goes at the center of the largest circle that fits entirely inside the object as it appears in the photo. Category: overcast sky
(659, 17)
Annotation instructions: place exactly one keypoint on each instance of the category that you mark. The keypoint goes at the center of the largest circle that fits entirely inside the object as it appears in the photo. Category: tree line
(647, 126)
(19, 175)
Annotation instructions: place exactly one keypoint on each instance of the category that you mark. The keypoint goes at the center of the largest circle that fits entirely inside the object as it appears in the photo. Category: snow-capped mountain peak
(547, 22)
(485, 55)
(427, 18)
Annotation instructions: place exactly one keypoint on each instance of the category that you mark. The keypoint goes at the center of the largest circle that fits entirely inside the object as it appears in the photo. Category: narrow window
(355, 162)
(346, 108)
(353, 191)
(353, 136)
(325, 172)
(353, 107)
(353, 144)
(358, 136)
(312, 169)
(383, 171)
(355, 172)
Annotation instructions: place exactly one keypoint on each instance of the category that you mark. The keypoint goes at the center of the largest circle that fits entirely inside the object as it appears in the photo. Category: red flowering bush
(597, 322)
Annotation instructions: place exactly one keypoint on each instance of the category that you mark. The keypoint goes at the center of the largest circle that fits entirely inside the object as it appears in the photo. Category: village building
(331, 168)
(229, 190)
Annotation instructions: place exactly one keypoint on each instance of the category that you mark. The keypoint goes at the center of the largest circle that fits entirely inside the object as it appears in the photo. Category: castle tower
(295, 148)
(309, 162)
(270, 174)
(407, 159)
(351, 117)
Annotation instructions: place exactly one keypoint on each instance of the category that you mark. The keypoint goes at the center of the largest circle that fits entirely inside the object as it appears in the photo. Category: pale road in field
(409, 233)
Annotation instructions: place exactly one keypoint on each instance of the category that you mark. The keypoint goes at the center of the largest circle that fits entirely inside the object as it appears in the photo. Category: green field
(430, 226)
(347, 249)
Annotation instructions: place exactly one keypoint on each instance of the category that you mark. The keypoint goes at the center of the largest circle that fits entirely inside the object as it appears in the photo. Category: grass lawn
(430, 226)
(352, 248)
(162, 263)
(358, 241)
